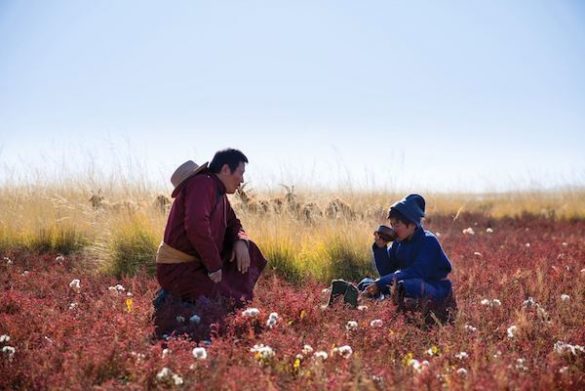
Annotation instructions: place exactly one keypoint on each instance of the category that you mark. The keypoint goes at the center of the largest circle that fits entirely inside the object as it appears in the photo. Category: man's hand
(215, 276)
(242, 256)
(381, 243)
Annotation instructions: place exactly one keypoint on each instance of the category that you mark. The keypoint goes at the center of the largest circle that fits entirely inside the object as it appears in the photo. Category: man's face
(403, 231)
(232, 180)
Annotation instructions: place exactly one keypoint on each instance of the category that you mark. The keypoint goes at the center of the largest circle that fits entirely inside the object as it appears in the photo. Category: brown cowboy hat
(183, 172)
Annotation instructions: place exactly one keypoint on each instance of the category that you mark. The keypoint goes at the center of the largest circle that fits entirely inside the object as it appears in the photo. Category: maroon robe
(202, 223)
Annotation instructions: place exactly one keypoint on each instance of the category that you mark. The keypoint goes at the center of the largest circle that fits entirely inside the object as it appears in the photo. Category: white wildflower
(307, 349)
(528, 303)
(271, 322)
(320, 355)
(251, 312)
(563, 370)
(417, 365)
(512, 330)
(180, 319)
(73, 306)
(565, 297)
(527, 244)
(477, 254)
(272, 319)
(351, 325)
(116, 289)
(178, 380)
(344, 351)
(521, 364)
(462, 372)
(59, 258)
(4, 338)
(129, 294)
(462, 355)
(9, 352)
(564, 244)
(376, 323)
(163, 374)
(7, 260)
(265, 352)
(200, 353)
(470, 328)
(362, 307)
(561, 347)
(498, 354)
(468, 231)
(138, 356)
(489, 230)
(166, 352)
(25, 273)
(491, 303)
(196, 319)
(583, 270)
(75, 284)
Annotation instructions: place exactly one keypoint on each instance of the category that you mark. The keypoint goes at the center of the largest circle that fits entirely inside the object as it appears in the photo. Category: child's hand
(380, 242)
(373, 290)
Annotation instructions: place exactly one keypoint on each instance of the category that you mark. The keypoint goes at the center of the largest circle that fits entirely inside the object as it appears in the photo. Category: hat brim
(199, 169)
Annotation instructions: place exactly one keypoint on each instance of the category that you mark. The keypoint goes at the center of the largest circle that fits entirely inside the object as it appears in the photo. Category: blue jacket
(420, 259)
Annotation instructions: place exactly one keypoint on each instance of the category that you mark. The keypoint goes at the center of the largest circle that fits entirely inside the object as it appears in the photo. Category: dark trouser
(434, 297)
(187, 290)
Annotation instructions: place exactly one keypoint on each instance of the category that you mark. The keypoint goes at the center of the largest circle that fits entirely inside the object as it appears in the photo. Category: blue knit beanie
(412, 207)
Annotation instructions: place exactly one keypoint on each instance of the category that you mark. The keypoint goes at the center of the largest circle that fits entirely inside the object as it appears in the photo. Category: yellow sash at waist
(168, 254)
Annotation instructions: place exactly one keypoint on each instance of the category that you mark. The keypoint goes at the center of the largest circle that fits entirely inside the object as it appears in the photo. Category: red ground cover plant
(519, 283)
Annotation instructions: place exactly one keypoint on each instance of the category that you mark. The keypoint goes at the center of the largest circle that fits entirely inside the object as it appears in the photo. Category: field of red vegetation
(519, 283)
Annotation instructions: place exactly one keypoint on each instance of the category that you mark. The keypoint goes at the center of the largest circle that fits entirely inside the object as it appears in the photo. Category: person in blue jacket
(415, 261)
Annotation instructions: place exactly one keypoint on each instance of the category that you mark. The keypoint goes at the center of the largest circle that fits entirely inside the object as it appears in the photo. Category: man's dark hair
(231, 157)
(396, 215)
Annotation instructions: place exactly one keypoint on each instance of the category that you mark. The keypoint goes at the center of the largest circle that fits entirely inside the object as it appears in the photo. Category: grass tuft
(131, 249)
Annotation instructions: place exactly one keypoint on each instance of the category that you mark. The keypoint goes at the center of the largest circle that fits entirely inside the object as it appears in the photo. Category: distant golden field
(303, 233)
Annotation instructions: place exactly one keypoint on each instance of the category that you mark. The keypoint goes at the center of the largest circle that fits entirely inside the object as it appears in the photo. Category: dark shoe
(338, 288)
(159, 298)
(397, 294)
(351, 295)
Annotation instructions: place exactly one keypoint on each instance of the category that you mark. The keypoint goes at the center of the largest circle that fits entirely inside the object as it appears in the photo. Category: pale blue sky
(409, 95)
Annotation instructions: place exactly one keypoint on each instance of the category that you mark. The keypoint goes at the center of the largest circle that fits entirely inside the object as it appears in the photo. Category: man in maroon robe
(205, 255)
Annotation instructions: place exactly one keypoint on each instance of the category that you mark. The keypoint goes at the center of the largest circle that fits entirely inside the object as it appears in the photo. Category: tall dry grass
(121, 233)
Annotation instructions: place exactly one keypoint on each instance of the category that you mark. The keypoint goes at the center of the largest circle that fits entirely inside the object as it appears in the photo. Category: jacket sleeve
(426, 265)
(385, 259)
(199, 201)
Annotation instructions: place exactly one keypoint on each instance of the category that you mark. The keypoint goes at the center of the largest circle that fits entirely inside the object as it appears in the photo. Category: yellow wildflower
(129, 304)
(297, 364)
(407, 359)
